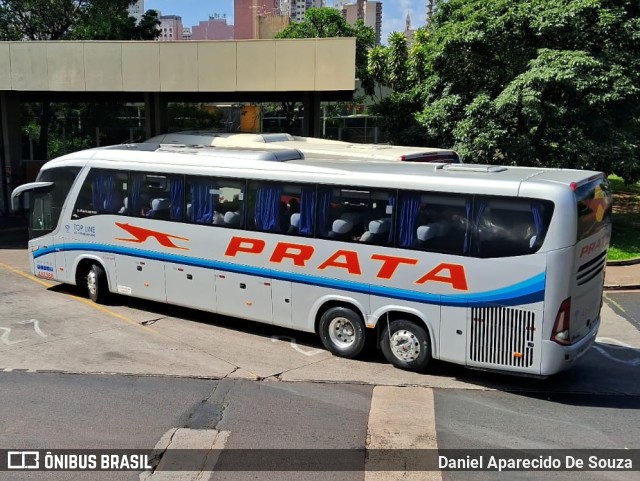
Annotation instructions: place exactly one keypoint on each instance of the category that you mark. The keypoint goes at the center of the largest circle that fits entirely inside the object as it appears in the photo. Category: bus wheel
(405, 344)
(342, 332)
(97, 285)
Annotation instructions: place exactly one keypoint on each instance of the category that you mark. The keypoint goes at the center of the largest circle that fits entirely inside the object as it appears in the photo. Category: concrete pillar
(155, 113)
(311, 124)
(11, 146)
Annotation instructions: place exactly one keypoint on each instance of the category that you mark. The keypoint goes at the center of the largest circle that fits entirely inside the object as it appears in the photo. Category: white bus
(497, 268)
(311, 146)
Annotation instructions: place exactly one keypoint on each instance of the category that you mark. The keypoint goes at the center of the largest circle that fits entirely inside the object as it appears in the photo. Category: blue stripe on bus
(525, 292)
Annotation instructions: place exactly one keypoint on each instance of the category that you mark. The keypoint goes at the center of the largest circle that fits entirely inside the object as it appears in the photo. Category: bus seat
(232, 218)
(340, 229)
(218, 218)
(160, 208)
(378, 231)
(189, 211)
(427, 232)
(295, 223)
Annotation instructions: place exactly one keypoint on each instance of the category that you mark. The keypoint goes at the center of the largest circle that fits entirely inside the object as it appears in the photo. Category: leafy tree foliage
(402, 69)
(328, 23)
(74, 20)
(528, 82)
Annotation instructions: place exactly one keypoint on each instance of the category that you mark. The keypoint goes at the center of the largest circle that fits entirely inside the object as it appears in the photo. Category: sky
(394, 12)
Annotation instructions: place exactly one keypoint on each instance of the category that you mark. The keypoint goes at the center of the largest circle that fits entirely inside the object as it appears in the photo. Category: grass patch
(625, 238)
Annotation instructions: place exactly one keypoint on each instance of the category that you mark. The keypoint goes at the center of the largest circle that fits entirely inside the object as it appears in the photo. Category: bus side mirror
(26, 190)
(17, 205)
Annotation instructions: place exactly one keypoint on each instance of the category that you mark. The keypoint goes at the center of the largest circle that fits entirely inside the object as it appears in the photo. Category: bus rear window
(510, 227)
(594, 207)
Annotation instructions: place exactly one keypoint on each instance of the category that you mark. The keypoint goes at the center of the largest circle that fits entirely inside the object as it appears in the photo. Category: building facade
(246, 14)
(296, 9)
(215, 28)
(170, 28)
(369, 12)
(137, 9)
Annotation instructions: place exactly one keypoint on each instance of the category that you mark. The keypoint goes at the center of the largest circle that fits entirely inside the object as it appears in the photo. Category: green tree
(531, 82)
(74, 20)
(402, 69)
(328, 23)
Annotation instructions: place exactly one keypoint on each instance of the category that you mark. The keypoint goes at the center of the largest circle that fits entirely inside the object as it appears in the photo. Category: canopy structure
(303, 70)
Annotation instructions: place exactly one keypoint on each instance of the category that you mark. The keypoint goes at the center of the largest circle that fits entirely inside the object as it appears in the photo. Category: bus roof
(259, 164)
(311, 146)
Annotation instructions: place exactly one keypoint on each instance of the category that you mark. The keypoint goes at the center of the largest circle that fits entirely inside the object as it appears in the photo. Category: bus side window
(213, 201)
(506, 228)
(103, 192)
(433, 222)
(355, 215)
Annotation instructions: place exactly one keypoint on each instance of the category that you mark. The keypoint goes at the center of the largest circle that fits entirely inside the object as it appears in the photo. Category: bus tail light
(560, 333)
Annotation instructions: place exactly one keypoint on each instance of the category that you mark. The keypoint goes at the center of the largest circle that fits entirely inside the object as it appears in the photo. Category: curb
(626, 262)
(622, 287)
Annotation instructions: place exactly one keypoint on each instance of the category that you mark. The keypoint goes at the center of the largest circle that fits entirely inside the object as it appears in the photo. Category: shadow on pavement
(606, 375)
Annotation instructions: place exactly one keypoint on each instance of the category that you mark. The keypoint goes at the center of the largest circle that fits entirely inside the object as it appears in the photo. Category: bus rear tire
(406, 345)
(97, 285)
(342, 332)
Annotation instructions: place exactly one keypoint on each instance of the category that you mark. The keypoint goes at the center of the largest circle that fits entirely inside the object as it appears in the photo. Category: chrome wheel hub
(342, 332)
(92, 283)
(405, 345)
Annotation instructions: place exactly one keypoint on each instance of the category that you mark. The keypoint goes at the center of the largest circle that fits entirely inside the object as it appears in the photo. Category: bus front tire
(406, 345)
(342, 332)
(97, 286)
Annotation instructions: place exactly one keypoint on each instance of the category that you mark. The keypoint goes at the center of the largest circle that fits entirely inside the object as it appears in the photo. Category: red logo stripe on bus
(142, 235)
(300, 254)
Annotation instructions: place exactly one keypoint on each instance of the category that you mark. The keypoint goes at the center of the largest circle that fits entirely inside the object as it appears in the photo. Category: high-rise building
(170, 28)
(246, 14)
(369, 12)
(137, 9)
(295, 9)
(216, 28)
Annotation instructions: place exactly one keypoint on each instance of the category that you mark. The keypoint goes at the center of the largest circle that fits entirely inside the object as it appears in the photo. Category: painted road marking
(294, 345)
(205, 444)
(615, 344)
(7, 332)
(36, 326)
(401, 419)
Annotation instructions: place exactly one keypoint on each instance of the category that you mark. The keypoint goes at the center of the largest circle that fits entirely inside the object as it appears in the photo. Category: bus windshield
(46, 206)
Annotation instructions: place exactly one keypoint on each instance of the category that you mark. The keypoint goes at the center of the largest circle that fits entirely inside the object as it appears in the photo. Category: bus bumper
(556, 358)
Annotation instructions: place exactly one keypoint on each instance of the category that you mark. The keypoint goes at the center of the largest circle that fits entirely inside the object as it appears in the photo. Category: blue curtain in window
(324, 204)
(134, 204)
(268, 208)
(536, 211)
(203, 202)
(482, 205)
(307, 208)
(177, 195)
(103, 187)
(392, 203)
(409, 205)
